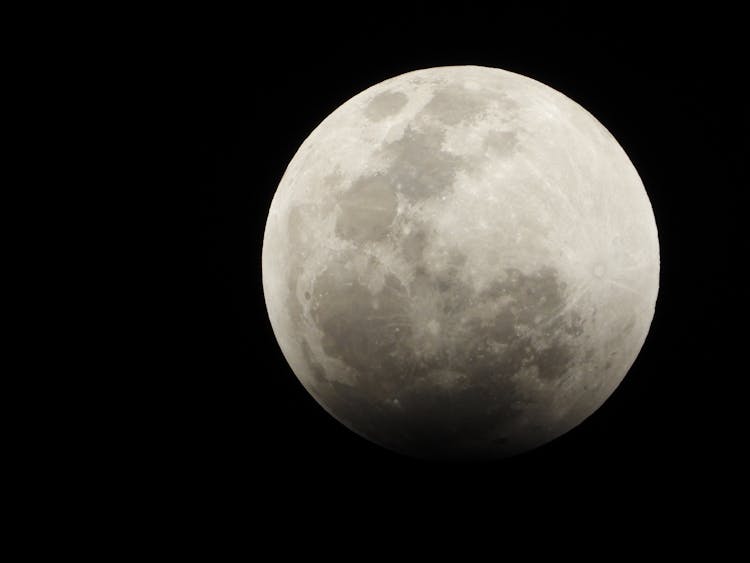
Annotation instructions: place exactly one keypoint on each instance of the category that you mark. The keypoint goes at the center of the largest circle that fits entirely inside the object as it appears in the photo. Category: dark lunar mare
(454, 394)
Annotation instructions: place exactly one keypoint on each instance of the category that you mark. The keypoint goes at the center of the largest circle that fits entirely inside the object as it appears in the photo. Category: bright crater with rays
(460, 262)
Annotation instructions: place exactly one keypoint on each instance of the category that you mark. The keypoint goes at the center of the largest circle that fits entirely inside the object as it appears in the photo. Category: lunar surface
(460, 262)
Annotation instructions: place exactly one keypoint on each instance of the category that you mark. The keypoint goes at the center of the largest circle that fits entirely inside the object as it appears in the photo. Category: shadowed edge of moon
(436, 363)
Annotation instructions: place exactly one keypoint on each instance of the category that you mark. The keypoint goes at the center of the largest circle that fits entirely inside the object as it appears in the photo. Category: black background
(254, 83)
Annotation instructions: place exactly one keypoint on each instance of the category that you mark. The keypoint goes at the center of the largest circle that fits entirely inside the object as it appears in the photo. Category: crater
(385, 105)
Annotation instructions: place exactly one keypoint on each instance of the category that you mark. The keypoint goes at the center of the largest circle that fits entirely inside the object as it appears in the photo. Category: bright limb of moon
(460, 262)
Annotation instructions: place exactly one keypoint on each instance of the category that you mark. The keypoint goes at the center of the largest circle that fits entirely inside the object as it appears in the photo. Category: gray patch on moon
(437, 363)
(414, 243)
(453, 104)
(367, 209)
(333, 179)
(501, 143)
(385, 104)
(420, 168)
(575, 326)
(539, 293)
(553, 362)
(358, 326)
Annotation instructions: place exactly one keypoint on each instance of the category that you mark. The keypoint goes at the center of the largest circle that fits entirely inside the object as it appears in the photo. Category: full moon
(460, 263)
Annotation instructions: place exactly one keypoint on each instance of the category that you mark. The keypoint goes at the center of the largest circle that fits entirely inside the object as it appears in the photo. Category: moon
(460, 263)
